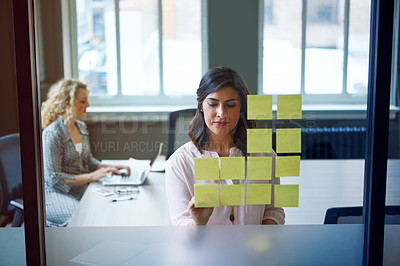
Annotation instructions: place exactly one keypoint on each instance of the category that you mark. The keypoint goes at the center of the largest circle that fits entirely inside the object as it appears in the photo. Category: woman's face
(221, 111)
(81, 102)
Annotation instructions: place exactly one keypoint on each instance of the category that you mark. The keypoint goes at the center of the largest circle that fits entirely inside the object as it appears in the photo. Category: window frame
(344, 98)
(70, 56)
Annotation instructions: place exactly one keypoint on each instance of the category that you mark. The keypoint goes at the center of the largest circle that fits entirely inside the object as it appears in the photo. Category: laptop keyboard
(134, 179)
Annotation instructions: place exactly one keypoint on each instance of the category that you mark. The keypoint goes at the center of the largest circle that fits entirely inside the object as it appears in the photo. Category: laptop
(140, 169)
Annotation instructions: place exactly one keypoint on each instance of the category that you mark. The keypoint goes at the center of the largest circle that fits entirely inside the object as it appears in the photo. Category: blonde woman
(68, 162)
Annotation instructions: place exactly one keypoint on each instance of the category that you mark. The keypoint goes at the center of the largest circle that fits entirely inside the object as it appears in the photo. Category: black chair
(354, 215)
(178, 123)
(10, 179)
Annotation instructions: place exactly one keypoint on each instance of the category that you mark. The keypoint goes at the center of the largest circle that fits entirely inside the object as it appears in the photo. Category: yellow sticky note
(259, 140)
(289, 107)
(206, 195)
(259, 168)
(258, 194)
(232, 167)
(259, 107)
(287, 166)
(288, 140)
(232, 195)
(206, 168)
(286, 195)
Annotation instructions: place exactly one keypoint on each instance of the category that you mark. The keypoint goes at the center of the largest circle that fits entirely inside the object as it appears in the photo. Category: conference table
(322, 184)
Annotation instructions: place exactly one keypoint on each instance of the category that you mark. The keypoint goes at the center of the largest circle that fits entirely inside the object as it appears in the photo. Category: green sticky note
(259, 140)
(232, 195)
(206, 168)
(206, 195)
(288, 140)
(258, 194)
(259, 107)
(232, 167)
(289, 107)
(259, 168)
(287, 166)
(286, 195)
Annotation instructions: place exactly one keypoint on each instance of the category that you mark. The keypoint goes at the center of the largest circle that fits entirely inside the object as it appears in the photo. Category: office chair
(354, 215)
(10, 178)
(178, 125)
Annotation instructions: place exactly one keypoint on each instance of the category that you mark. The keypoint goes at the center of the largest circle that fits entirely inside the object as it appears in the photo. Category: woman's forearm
(79, 180)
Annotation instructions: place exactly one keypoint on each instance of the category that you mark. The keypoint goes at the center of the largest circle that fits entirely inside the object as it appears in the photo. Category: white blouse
(78, 147)
(179, 183)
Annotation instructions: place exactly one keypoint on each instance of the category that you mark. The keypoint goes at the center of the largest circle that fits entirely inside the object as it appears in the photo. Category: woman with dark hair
(217, 130)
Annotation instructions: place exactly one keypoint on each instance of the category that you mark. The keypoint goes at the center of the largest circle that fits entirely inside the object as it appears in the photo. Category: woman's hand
(118, 167)
(102, 172)
(127, 168)
(199, 215)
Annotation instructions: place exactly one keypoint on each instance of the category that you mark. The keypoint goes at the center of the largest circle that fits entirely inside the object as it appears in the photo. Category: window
(317, 48)
(137, 52)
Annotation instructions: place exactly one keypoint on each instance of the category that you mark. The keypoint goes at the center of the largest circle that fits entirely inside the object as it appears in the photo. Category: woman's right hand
(199, 215)
(102, 172)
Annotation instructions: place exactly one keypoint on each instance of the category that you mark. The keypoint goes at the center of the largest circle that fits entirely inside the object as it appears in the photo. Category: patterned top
(61, 162)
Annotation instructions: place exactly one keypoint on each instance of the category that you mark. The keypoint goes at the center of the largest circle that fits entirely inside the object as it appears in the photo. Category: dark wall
(233, 37)
(8, 93)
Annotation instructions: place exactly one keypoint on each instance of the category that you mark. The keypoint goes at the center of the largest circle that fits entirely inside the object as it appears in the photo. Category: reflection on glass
(357, 65)
(181, 46)
(97, 46)
(282, 46)
(324, 47)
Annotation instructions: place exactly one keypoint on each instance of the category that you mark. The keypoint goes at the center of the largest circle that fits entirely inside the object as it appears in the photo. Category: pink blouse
(179, 181)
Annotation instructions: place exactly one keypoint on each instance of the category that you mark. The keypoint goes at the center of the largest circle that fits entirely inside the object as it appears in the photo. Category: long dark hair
(215, 79)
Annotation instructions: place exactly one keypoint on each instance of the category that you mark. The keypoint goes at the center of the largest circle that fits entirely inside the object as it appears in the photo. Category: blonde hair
(60, 99)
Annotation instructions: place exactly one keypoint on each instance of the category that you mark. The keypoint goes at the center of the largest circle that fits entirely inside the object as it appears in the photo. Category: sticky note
(286, 195)
(259, 168)
(206, 195)
(206, 168)
(288, 140)
(232, 167)
(289, 107)
(287, 166)
(259, 140)
(258, 194)
(232, 195)
(259, 107)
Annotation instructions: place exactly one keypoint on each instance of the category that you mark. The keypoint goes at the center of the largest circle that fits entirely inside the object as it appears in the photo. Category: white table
(323, 184)
(334, 183)
(150, 207)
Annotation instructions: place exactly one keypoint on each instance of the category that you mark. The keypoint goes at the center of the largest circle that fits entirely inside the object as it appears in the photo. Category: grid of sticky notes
(258, 167)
